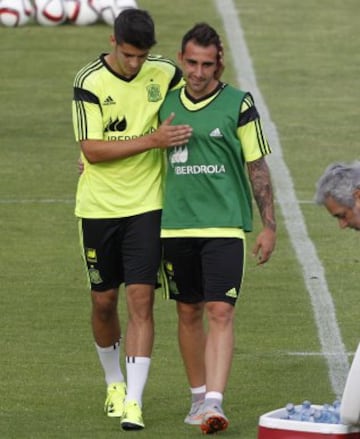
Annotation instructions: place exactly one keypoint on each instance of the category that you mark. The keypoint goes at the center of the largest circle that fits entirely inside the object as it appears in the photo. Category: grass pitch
(305, 56)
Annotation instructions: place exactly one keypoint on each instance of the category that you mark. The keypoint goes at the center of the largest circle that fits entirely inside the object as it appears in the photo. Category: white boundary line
(317, 354)
(329, 333)
(277, 354)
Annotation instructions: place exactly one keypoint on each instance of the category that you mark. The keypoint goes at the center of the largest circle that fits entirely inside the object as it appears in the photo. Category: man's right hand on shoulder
(168, 136)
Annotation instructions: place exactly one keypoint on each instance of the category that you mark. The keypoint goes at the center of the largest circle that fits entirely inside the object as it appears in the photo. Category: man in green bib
(207, 212)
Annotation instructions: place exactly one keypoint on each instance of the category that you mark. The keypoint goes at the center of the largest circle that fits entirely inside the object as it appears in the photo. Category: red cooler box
(271, 426)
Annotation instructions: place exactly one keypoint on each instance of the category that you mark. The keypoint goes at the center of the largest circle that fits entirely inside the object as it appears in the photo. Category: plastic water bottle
(318, 416)
(307, 412)
(333, 413)
(327, 415)
(291, 412)
(336, 405)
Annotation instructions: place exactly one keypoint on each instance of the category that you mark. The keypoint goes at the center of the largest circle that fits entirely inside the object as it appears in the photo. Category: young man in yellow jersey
(119, 196)
(207, 212)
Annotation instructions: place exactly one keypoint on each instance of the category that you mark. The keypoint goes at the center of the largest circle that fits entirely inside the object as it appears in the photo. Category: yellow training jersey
(108, 106)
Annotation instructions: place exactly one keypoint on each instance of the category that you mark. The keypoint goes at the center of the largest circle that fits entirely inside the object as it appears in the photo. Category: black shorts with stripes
(204, 269)
(118, 250)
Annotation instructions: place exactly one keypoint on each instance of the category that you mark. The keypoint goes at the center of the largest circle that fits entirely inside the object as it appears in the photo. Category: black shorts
(204, 269)
(118, 250)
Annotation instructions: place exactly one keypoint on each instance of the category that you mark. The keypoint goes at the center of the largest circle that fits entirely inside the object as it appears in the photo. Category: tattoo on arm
(259, 177)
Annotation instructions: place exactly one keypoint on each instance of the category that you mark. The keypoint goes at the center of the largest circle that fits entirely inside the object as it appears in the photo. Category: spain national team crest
(154, 93)
(94, 276)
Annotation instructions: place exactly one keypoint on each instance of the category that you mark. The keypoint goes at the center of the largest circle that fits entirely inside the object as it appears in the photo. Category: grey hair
(339, 181)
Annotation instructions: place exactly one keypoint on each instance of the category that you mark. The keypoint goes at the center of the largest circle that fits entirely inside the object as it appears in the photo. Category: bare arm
(165, 136)
(259, 177)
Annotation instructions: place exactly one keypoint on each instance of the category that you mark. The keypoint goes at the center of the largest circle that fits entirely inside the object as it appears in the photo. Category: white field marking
(313, 271)
(291, 354)
(318, 354)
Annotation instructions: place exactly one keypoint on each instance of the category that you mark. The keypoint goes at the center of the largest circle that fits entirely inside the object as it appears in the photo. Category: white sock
(197, 393)
(137, 370)
(110, 361)
(214, 398)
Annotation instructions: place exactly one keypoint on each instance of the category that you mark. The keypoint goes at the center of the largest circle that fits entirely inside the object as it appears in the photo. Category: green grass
(51, 385)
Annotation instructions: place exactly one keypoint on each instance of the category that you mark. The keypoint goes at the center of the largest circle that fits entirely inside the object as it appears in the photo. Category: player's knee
(104, 304)
(190, 313)
(220, 313)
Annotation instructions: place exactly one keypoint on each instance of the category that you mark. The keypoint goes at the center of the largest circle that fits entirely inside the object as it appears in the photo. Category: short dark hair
(203, 35)
(136, 27)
